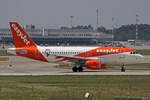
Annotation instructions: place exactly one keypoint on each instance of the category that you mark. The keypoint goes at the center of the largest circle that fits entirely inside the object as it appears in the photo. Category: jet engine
(95, 64)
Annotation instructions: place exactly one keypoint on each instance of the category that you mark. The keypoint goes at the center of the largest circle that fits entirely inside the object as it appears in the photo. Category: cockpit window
(133, 52)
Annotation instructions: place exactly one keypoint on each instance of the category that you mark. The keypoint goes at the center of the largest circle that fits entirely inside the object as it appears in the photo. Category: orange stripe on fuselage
(58, 57)
(104, 51)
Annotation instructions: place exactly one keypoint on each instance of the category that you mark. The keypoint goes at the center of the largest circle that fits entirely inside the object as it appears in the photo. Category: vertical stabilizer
(21, 39)
(24, 45)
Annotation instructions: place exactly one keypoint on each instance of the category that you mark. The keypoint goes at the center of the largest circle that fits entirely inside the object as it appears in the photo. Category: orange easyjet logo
(108, 50)
(19, 33)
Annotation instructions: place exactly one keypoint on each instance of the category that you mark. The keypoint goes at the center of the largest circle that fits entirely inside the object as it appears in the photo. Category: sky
(56, 13)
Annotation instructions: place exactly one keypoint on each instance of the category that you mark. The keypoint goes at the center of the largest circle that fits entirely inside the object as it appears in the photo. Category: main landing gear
(77, 69)
(123, 68)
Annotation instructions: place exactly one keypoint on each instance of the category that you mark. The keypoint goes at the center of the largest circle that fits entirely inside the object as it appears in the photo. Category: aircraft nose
(140, 56)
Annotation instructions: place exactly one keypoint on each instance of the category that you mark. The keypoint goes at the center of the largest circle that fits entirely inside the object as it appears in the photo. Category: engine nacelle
(94, 64)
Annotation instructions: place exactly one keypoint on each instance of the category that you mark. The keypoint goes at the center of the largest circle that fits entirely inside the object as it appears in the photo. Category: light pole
(97, 21)
(112, 29)
(71, 21)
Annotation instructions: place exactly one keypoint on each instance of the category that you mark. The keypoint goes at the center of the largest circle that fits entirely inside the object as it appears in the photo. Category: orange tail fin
(24, 45)
(21, 39)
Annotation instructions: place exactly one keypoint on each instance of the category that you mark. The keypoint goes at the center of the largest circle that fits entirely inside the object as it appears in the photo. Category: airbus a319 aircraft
(80, 56)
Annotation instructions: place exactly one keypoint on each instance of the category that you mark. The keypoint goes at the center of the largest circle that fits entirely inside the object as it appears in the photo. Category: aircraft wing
(74, 58)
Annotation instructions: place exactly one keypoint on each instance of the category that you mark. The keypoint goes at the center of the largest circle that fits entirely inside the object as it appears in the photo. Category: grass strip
(144, 51)
(70, 87)
(5, 53)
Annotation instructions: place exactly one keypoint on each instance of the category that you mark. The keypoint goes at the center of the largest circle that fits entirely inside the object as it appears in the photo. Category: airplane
(95, 58)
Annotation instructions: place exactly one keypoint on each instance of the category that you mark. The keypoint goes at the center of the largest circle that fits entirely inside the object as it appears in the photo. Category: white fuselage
(51, 53)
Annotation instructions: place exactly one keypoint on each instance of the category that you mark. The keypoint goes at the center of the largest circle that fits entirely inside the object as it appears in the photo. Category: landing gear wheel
(123, 68)
(74, 69)
(80, 69)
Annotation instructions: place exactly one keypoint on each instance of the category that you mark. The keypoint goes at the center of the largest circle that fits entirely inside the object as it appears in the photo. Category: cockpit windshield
(133, 52)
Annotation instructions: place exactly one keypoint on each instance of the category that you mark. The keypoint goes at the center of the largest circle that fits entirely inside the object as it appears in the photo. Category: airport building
(58, 36)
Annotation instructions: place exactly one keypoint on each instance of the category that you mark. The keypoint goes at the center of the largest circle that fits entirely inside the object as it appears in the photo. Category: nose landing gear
(123, 68)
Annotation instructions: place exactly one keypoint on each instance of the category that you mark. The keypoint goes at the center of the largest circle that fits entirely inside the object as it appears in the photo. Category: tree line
(123, 33)
(128, 32)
